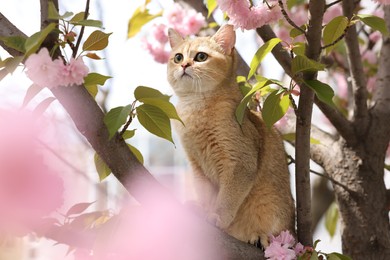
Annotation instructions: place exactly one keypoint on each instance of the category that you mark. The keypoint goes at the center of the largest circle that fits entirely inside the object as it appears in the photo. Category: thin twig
(292, 160)
(332, 4)
(291, 22)
(81, 31)
(130, 119)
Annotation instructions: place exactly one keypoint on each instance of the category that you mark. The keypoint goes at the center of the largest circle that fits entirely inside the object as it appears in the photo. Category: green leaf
(299, 48)
(155, 121)
(32, 91)
(290, 137)
(260, 54)
(15, 42)
(128, 134)
(115, 118)
(140, 17)
(89, 22)
(33, 43)
(323, 91)
(95, 79)
(164, 105)
(146, 92)
(211, 5)
(78, 17)
(295, 32)
(41, 108)
(275, 107)
(78, 208)
(240, 110)
(136, 153)
(301, 63)
(97, 41)
(331, 219)
(92, 80)
(337, 256)
(334, 30)
(53, 12)
(92, 90)
(101, 167)
(375, 22)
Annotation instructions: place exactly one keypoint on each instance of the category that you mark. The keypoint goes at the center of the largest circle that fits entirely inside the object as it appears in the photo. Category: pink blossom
(175, 14)
(159, 32)
(73, 73)
(278, 251)
(370, 57)
(332, 12)
(385, 2)
(342, 85)
(375, 36)
(284, 238)
(42, 70)
(299, 249)
(192, 22)
(371, 83)
(45, 72)
(29, 190)
(157, 50)
(243, 16)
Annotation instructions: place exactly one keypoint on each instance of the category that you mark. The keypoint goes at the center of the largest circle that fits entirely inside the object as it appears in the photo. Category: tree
(353, 157)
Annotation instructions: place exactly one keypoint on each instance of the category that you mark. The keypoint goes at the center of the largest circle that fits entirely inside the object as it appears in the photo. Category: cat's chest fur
(209, 129)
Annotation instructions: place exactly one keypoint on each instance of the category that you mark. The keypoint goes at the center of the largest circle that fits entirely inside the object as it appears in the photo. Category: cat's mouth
(185, 74)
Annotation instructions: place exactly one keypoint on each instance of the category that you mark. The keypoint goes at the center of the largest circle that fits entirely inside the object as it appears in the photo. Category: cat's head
(202, 64)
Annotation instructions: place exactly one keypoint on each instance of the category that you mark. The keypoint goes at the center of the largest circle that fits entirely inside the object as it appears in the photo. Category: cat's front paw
(221, 221)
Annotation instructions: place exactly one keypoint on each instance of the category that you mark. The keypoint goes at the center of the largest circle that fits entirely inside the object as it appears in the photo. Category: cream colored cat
(241, 173)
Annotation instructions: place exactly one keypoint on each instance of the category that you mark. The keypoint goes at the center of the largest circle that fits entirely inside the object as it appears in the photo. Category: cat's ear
(174, 38)
(226, 38)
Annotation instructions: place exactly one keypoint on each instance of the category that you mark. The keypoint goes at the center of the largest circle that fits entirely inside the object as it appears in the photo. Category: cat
(240, 171)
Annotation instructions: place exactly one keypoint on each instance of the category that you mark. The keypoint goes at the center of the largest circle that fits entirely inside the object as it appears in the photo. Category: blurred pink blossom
(29, 190)
(159, 32)
(385, 2)
(342, 85)
(371, 83)
(375, 36)
(247, 17)
(161, 230)
(370, 57)
(157, 50)
(332, 12)
(186, 22)
(45, 72)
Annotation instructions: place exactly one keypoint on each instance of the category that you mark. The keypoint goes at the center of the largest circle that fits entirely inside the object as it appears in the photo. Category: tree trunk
(365, 221)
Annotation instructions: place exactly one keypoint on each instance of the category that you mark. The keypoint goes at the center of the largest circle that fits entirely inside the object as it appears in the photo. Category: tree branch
(9, 29)
(305, 108)
(381, 97)
(281, 55)
(356, 70)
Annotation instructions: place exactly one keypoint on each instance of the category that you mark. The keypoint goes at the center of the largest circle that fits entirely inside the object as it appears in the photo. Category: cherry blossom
(247, 17)
(283, 247)
(385, 2)
(186, 22)
(42, 70)
(45, 72)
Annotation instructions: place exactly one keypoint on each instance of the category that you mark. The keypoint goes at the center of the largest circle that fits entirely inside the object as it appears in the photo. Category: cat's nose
(185, 65)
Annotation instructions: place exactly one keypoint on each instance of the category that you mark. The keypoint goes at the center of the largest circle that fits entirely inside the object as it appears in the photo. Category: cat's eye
(178, 58)
(201, 56)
